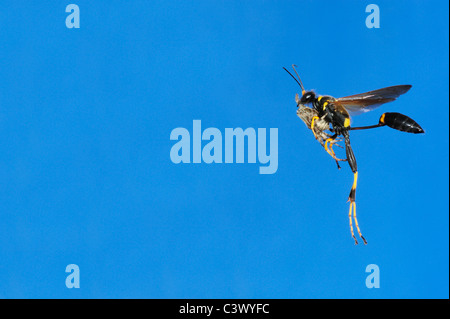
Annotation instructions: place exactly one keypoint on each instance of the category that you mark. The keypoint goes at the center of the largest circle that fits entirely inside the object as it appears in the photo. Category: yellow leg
(312, 125)
(355, 183)
(330, 150)
(350, 220)
(356, 222)
(351, 198)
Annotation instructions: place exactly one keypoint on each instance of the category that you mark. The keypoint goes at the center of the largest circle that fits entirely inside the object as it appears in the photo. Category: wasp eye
(307, 98)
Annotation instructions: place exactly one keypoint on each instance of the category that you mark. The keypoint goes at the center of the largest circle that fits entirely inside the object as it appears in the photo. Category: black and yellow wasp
(333, 114)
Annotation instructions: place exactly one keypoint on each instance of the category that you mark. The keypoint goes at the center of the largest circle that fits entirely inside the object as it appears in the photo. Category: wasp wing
(365, 102)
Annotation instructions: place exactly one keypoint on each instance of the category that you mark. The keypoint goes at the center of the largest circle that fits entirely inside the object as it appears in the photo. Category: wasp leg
(356, 223)
(351, 225)
(352, 162)
(332, 141)
(330, 151)
(352, 200)
(312, 125)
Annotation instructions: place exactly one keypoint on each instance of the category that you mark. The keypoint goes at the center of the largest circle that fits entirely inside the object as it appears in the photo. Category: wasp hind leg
(352, 196)
(351, 199)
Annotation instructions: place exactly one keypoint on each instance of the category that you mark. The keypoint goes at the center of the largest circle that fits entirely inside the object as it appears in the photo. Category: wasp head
(308, 97)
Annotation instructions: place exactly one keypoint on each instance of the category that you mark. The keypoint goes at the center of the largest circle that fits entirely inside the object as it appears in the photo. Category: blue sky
(85, 170)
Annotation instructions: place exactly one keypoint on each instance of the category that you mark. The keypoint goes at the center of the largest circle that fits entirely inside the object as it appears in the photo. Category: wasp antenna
(294, 78)
(301, 84)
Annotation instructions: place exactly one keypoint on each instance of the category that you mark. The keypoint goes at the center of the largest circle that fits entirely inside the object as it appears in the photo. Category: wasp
(329, 119)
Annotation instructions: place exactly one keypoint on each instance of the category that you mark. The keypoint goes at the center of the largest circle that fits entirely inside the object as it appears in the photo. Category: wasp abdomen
(400, 122)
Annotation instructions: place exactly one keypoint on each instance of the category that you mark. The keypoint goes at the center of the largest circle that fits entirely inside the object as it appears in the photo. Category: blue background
(86, 176)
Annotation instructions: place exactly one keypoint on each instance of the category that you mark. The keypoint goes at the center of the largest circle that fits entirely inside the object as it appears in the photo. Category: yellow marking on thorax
(382, 118)
(347, 122)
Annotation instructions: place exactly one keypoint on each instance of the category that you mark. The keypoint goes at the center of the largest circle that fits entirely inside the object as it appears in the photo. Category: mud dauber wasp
(329, 114)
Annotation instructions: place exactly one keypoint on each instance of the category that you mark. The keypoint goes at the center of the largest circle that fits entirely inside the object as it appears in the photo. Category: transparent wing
(365, 102)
